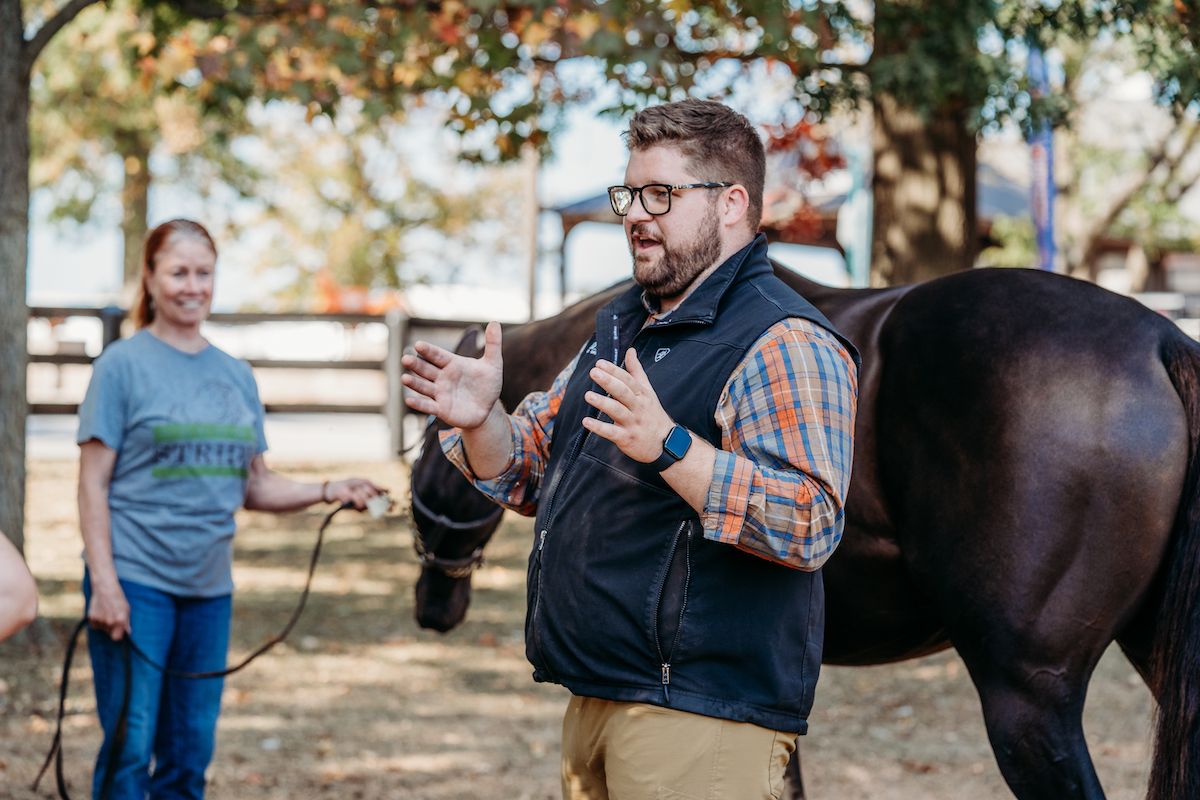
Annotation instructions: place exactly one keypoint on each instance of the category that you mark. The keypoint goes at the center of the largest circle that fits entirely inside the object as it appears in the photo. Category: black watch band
(675, 447)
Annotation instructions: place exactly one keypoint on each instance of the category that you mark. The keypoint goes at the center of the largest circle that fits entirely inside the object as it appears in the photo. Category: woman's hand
(108, 610)
(352, 490)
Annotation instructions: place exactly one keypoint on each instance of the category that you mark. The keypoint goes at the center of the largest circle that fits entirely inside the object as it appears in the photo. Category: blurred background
(449, 161)
(378, 171)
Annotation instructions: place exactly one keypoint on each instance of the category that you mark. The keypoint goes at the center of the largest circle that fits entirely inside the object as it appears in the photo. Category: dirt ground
(360, 703)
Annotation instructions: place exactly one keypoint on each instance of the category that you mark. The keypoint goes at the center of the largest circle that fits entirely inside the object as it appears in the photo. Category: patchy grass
(360, 703)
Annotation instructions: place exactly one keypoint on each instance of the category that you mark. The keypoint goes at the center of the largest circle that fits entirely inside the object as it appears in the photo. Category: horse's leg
(1033, 460)
(1137, 643)
(1033, 586)
(1034, 716)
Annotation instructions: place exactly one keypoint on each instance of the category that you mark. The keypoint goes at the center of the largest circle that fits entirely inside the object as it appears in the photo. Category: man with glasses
(688, 471)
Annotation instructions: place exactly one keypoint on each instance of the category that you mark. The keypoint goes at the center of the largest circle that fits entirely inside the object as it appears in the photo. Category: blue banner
(1041, 153)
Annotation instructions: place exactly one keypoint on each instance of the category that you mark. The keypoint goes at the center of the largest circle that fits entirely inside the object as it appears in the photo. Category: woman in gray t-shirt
(171, 445)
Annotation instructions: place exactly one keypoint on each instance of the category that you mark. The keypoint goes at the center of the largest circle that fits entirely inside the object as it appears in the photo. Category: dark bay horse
(1025, 491)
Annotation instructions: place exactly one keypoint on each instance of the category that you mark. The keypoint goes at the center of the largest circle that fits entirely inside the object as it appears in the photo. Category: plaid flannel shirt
(779, 483)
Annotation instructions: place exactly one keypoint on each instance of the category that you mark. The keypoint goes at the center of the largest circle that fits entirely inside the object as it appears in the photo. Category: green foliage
(124, 82)
(503, 65)
(85, 98)
(99, 110)
(353, 201)
(504, 70)
(1016, 244)
(1157, 226)
(1129, 165)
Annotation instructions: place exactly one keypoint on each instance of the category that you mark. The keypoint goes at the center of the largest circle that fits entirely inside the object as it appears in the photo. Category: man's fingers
(610, 378)
(605, 430)
(492, 341)
(616, 411)
(435, 355)
(418, 384)
(634, 367)
(421, 403)
(419, 366)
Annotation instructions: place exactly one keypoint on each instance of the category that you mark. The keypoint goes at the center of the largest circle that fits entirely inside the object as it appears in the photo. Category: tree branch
(1176, 192)
(1185, 149)
(1175, 189)
(34, 47)
(696, 56)
(1092, 250)
(200, 9)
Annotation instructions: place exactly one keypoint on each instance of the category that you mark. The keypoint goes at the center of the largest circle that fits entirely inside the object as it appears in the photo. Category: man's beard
(676, 268)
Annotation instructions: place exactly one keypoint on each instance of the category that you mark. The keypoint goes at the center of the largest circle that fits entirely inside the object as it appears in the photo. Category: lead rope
(131, 647)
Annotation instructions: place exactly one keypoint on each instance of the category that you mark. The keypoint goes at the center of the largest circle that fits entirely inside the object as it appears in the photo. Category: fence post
(397, 325)
(111, 318)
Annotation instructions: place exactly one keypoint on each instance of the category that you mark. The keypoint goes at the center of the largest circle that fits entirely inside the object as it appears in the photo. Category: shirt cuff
(728, 498)
(498, 487)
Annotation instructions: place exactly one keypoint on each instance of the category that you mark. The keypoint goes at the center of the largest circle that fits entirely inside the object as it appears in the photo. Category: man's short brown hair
(718, 143)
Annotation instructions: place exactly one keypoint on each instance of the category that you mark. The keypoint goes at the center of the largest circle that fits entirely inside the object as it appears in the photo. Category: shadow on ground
(360, 703)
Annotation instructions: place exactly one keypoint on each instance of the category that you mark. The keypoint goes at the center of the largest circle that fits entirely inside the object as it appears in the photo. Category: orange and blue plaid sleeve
(780, 479)
(519, 485)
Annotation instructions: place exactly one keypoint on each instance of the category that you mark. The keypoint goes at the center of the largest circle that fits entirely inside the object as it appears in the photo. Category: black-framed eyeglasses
(656, 197)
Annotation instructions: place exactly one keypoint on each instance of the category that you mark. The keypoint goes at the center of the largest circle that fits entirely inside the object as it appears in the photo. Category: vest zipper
(665, 660)
(552, 490)
(616, 342)
(573, 452)
(537, 598)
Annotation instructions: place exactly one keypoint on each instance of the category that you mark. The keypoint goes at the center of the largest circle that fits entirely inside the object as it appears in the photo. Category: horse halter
(451, 567)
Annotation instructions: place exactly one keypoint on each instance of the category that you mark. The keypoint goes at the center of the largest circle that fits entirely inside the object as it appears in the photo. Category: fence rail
(402, 330)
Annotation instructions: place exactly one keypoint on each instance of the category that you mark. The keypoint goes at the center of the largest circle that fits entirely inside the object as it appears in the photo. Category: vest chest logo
(591, 351)
(661, 353)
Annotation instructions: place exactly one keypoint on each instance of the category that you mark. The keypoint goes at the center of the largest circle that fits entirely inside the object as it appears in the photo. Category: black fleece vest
(627, 600)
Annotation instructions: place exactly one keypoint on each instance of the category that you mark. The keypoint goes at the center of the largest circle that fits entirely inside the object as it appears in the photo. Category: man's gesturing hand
(458, 390)
(639, 423)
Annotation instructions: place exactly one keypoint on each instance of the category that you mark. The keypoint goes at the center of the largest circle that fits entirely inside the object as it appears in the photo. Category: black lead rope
(114, 755)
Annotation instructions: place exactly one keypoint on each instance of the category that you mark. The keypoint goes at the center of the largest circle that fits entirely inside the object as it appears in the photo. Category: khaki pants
(633, 751)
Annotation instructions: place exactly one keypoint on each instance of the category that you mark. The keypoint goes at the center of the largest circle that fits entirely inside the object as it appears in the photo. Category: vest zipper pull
(541, 541)
(666, 681)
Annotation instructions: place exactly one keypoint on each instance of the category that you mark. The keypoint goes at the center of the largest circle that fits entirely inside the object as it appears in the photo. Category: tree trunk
(14, 238)
(135, 197)
(924, 193)
(1156, 276)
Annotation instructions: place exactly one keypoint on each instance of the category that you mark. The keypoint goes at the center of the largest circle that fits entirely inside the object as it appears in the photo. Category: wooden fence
(401, 331)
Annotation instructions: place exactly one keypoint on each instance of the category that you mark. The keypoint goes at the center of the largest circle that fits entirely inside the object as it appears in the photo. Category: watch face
(678, 441)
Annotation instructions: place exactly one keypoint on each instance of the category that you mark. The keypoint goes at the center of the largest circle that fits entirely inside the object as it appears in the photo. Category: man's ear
(734, 205)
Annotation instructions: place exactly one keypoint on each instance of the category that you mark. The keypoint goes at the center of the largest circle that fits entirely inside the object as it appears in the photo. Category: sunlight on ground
(360, 703)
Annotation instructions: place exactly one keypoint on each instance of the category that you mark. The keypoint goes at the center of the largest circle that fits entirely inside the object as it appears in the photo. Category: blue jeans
(170, 720)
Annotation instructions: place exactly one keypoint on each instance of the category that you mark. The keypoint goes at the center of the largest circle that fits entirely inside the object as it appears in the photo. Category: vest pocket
(671, 603)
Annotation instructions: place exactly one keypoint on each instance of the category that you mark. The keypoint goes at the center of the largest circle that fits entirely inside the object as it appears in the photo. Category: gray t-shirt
(185, 427)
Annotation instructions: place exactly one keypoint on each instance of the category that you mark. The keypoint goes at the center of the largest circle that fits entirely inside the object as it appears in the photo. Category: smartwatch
(675, 447)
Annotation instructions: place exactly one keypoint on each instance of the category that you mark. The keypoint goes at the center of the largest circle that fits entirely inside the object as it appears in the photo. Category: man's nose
(637, 210)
